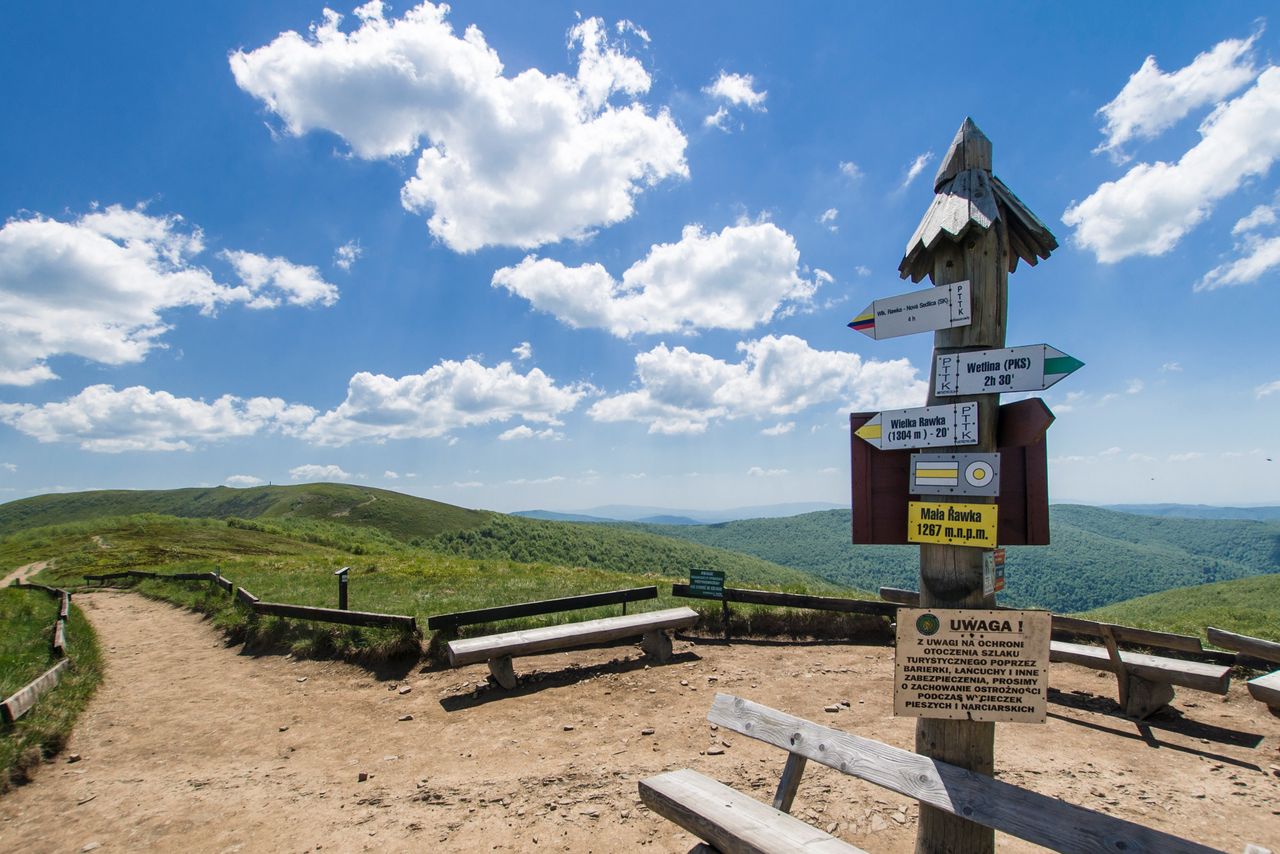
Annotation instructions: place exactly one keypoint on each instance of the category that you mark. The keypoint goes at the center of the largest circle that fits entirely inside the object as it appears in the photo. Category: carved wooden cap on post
(969, 196)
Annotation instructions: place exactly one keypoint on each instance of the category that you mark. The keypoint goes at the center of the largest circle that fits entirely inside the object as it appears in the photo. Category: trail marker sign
(1029, 368)
(941, 307)
(972, 665)
(955, 474)
(923, 427)
(706, 583)
(952, 524)
(992, 572)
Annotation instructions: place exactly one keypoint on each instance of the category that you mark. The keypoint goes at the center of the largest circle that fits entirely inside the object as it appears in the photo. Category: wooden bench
(1145, 681)
(733, 822)
(498, 650)
(1256, 653)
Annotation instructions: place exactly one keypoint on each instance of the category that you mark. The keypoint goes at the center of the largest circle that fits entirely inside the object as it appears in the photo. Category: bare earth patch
(22, 573)
(191, 746)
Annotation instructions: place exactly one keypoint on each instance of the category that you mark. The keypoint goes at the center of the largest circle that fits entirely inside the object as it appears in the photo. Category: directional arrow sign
(941, 307)
(1030, 368)
(922, 427)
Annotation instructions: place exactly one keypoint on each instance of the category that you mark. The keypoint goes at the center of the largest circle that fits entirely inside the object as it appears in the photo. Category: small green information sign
(706, 583)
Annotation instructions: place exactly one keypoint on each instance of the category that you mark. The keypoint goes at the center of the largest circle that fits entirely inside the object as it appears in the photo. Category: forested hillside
(1097, 556)
(621, 550)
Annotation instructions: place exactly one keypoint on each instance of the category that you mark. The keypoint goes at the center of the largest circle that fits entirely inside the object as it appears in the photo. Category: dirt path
(191, 746)
(22, 573)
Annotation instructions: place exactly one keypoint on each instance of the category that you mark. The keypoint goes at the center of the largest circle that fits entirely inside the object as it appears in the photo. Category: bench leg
(1146, 697)
(503, 673)
(657, 644)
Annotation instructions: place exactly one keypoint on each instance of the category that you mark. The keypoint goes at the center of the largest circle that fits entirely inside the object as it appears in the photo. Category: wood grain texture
(60, 638)
(730, 821)
(335, 615)
(1266, 689)
(1128, 634)
(1010, 809)
(789, 784)
(1213, 678)
(244, 597)
(1254, 647)
(543, 606)
(528, 641)
(20, 703)
(748, 596)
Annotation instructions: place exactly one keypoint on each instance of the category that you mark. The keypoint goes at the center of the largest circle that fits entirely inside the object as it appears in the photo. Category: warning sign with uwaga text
(972, 665)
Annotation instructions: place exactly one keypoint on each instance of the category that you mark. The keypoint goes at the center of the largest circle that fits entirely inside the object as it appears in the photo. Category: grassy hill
(1097, 556)
(1248, 606)
(404, 517)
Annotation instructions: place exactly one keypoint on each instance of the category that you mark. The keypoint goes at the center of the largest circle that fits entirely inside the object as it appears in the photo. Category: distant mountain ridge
(676, 516)
(1198, 511)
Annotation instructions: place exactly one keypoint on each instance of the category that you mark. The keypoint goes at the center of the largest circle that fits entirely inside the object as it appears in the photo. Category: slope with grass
(1247, 606)
(27, 617)
(404, 517)
(1097, 556)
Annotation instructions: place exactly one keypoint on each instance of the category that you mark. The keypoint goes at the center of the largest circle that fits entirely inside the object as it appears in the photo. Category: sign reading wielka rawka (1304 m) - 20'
(952, 524)
(941, 307)
(972, 665)
(1030, 368)
(922, 427)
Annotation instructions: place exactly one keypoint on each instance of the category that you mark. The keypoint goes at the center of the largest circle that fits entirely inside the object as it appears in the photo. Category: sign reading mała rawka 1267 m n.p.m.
(972, 665)
(952, 524)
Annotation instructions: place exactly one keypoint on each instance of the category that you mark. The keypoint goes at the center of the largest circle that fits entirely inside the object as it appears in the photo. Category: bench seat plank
(529, 641)
(1010, 809)
(1213, 678)
(733, 822)
(1266, 689)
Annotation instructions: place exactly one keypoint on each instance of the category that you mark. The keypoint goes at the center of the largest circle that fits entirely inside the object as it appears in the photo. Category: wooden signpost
(972, 665)
(955, 474)
(975, 231)
(1031, 368)
(920, 311)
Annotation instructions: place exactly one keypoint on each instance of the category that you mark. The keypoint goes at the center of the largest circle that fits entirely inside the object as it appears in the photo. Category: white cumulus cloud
(1260, 257)
(1150, 208)
(740, 277)
(737, 89)
(850, 170)
(346, 255)
(102, 418)
(757, 471)
(523, 351)
(684, 392)
(1153, 101)
(828, 218)
(917, 166)
(1255, 219)
(1267, 388)
(244, 480)
(98, 286)
(272, 279)
(449, 396)
(780, 429)
(313, 472)
(517, 160)
(524, 431)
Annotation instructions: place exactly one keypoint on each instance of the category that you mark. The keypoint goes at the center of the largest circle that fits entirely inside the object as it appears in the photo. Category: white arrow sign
(941, 307)
(922, 427)
(1030, 368)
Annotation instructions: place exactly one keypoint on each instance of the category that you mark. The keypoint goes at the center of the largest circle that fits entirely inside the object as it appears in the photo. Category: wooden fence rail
(544, 606)
(20, 703)
(334, 615)
(748, 596)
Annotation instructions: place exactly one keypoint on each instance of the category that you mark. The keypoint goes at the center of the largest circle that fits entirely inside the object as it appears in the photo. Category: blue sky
(547, 255)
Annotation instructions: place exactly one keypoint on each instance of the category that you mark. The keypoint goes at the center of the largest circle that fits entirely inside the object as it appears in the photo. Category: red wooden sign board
(880, 481)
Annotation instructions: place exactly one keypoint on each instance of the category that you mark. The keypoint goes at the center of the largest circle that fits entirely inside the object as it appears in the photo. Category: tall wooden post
(965, 235)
